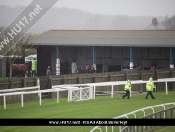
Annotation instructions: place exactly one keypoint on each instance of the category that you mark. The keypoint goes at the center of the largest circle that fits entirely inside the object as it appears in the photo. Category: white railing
(39, 92)
(19, 89)
(115, 83)
(82, 93)
(134, 113)
(75, 91)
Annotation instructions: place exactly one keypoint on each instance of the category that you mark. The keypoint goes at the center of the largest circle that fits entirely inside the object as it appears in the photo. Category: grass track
(100, 107)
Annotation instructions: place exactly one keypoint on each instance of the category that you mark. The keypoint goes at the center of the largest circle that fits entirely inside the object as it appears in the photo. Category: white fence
(115, 83)
(76, 92)
(135, 115)
(39, 92)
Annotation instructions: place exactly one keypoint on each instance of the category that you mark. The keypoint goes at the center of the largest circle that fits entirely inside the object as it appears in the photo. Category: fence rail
(47, 83)
(167, 113)
(88, 78)
(145, 116)
(80, 91)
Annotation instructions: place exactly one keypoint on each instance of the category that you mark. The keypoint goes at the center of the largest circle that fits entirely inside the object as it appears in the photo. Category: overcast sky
(112, 7)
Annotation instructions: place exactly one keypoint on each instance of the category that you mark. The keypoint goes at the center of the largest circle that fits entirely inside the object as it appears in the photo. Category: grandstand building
(120, 48)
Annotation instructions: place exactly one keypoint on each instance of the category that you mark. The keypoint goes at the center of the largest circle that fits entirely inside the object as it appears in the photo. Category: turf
(100, 107)
(166, 129)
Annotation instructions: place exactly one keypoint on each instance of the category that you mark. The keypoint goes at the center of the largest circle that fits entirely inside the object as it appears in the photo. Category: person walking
(34, 67)
(127, 88)
(29, 65)
(149, 88)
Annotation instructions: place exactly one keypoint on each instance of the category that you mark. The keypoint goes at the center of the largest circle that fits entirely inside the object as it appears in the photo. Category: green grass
(100, 107)
(163, 129)
(166, 129)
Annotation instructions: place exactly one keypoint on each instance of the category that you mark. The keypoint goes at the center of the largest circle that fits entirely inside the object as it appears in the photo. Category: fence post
(50, 82)
(24, 82)
(155, 74)
(109, 78)
(171, 75)
(78, 80)
(10, 83)
(36, 83)
(94, 79)
(141, 75)
(50, 86)
(141, 78)
(126, 76)
(64, 80)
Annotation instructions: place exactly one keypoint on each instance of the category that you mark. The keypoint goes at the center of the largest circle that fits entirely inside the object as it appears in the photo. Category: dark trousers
(149, 93)
(33, 73)
(127, 94)
(29, 73)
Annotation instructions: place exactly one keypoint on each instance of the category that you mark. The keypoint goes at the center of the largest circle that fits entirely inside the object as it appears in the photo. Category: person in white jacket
(74, 67)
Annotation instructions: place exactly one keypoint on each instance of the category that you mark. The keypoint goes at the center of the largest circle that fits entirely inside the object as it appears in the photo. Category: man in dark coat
(29, 67)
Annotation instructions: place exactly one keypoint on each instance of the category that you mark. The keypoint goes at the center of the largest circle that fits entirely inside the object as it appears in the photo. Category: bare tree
(12, 47)
(170, 22)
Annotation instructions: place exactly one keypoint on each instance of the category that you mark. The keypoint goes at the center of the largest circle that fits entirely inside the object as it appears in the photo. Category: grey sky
(112, 7)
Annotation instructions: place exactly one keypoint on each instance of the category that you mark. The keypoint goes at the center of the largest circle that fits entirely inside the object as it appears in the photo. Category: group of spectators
(64, 68)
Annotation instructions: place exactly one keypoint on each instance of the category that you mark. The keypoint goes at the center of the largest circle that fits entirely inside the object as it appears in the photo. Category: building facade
(121, 49)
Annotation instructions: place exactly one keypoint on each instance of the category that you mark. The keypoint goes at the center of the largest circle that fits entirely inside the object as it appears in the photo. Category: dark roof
(159, 26)
(138, 38)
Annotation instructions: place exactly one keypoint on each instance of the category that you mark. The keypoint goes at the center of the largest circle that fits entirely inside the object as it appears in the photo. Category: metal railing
(141, 128)
(151, 116)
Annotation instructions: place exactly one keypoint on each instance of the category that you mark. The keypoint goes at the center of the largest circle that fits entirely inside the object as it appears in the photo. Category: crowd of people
(66, 68)
(74, 68)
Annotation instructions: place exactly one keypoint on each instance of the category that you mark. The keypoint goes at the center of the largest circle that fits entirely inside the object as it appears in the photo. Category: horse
(90, 68)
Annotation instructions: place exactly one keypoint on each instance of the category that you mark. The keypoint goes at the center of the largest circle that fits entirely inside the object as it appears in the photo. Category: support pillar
(160, 55)
(94, 58)
(57, 60)
(121, 59)
(131, 59)
(103, 58)
(140, 64)
(171, 58)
